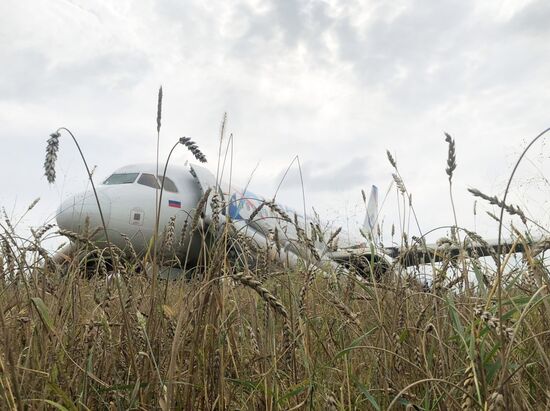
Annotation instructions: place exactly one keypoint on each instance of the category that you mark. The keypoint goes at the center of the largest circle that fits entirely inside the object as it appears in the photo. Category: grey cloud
(288, 15)
(390, 55)
(303, 23)
(439, 54)
(267, 36)
(422, 57)
(326, 177)
(112, 70)
(377, 50)
(26, 70)
(287, 25)
(298, 21)
(532, 19)
(32, 75)
(412, 57)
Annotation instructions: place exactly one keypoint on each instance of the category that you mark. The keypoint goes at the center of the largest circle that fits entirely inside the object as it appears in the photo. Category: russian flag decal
(174, 203)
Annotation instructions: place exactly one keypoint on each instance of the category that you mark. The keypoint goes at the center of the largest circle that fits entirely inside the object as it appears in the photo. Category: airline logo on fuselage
(242, 204)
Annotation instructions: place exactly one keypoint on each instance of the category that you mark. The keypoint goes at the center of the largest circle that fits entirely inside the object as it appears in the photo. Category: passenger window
(168, 185)
(122, 178)
(148, 180)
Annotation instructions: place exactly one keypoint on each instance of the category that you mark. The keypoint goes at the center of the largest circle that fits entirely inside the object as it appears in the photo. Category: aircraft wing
(425, 254)
(419, 254)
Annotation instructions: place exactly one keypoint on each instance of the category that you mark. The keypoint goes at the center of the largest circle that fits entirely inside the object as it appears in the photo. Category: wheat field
(97, 332)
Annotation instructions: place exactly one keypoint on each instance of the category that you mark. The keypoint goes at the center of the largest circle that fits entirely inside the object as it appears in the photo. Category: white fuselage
(129, 207)
(128, 201)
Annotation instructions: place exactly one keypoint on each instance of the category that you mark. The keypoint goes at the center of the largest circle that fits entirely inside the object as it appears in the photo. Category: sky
(336, 83)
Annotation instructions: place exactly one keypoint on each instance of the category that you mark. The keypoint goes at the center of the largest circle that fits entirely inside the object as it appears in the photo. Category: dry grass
(228, 340)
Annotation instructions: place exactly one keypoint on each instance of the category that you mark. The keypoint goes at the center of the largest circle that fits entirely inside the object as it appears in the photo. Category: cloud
(32, 75)
(532, 19)
(327, 177)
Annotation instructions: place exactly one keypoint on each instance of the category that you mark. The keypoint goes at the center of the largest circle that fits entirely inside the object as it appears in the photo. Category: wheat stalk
(468, 404)
(303, 292)
(494, 324)
(391, 159)
(344, 310)
(451, 156)
(333, 237)
(512, 210)
(399, 183)
(39, 233)
(256, 211)
(215, 206)
(183, 232)
(200, 207)
(52, 148)
(159, 109)
(273, 302)
(193, 148)
(496, 402)
(331, 403)
(170, 233)
(278, 210)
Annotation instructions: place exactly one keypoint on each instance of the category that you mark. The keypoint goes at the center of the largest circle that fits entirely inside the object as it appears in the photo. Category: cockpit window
(122, 178)
(148, 180)
(168, 185)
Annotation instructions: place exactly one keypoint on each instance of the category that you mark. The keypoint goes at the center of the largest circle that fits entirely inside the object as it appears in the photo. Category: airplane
(191, 194)
(128, 200)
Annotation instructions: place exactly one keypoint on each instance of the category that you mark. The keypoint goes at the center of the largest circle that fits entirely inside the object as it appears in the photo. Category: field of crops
(255, 336)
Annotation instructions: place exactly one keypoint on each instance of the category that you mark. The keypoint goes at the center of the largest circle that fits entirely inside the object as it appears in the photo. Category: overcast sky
(334, 82)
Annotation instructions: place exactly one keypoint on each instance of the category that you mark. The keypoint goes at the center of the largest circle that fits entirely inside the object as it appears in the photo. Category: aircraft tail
(370, 224)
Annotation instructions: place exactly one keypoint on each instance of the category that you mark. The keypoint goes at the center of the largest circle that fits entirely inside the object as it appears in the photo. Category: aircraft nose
(73, 212)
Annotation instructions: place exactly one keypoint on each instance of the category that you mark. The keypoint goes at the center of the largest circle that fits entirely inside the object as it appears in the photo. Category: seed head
(451, 156)
(469, 389)
(170, 233)
(51, 156)
(199, 209)
(38, 233)
(331, 403)
(496, 402)
(33, 204)
(511, 209)
(256, 211)
(391, 159)
(333, 237)
(192, 147)
(222, 126)
(159, 109)
(399, 183)
(183, 232)
(215, 205)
